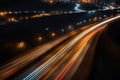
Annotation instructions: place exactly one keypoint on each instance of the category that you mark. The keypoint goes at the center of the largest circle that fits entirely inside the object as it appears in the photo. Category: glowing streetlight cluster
(3, 13)
(53, 35)
(11, 19)
(21, 45)
(86, 1)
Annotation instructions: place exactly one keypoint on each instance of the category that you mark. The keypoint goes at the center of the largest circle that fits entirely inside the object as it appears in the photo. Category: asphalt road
(60, 60)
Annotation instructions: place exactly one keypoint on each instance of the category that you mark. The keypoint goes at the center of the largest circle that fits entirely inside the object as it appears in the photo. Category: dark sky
(18, 0)
(31, 0)
(29, 5)
(21, 4)
(18, 3)
(15, 1)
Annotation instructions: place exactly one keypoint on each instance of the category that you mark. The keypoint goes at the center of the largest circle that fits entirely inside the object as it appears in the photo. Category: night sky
(19, 4)
(13, 1)
(30, 1)
(23, 4)
(18, 0)
(30, 5)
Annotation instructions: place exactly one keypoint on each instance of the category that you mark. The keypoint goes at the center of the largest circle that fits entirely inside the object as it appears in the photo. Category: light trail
(60, 49)
(20, 62)
(54, 58)
(48, 63)
(76, 8)
(84, 43)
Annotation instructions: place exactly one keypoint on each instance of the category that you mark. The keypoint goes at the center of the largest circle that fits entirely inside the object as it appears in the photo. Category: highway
(58, 63)
(22, 61)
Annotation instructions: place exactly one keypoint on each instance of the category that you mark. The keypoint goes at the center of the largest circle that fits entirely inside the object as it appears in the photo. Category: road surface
(57, 65)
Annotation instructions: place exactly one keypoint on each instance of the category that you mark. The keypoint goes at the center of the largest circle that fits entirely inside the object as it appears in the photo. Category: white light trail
(76, 8)
(33, 75)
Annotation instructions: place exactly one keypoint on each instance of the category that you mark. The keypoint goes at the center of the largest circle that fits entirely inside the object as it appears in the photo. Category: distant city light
(15, 12)
(2, 13)
(89, 19)
(26, 18)
(21, 45)
(51, 1)
(95, 18)
(76, 8)
(86, 1)
(105, 15)
(62, 30)
(11, 19)
(34, 11)
(39, 38)
(78, 23)
(84, 21)
(118, 10)
(100, 18)
(53, 34)
(91, 11)
(70, 27)
(46, 29)
(10, 12)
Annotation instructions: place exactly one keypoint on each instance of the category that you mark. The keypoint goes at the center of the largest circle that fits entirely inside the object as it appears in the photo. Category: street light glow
(39, 38)
(53, 34)
(51, 1)
(20, 45)
(2, 13)
(11, 19)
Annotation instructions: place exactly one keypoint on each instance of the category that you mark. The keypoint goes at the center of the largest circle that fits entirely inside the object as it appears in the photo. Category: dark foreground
(107, 58)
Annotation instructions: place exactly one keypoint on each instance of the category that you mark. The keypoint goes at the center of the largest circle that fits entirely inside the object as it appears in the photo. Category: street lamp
(51, 1)
(86, 1)
(2, 13)
(53, 34)
(78, 23)
(11, 19)
(20, 45)
(40, 38)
